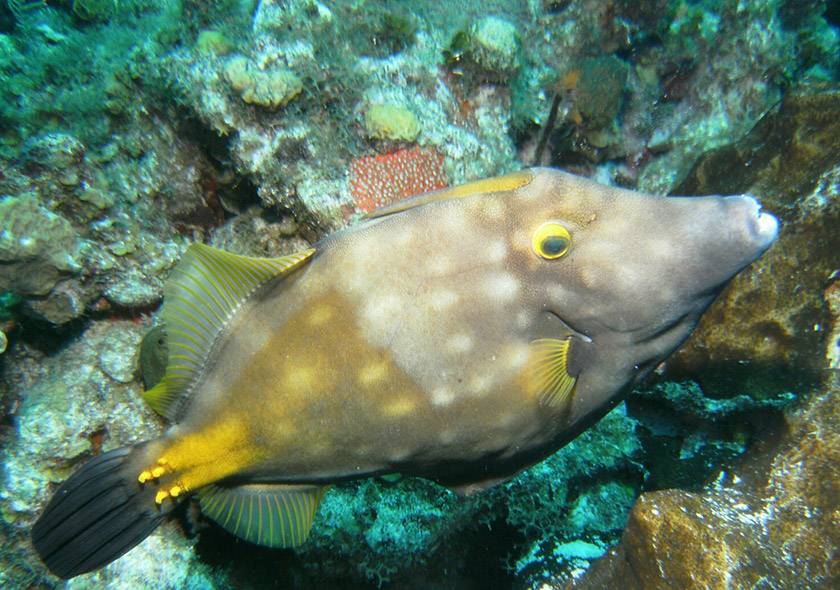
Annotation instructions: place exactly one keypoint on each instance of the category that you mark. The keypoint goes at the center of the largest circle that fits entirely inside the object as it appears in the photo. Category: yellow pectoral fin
(546, 374)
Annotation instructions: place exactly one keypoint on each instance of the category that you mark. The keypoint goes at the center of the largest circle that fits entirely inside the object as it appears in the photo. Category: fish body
(460, 336)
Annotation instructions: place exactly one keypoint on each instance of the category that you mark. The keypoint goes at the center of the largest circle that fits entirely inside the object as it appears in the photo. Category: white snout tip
(766, 226)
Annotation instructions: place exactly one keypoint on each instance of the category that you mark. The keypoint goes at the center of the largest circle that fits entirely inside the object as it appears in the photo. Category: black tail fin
(97, 515)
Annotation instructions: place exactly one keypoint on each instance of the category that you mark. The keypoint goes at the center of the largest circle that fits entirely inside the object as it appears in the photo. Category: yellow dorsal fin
(508, 182)
(272, 515)
(547, 374)
(204, 292)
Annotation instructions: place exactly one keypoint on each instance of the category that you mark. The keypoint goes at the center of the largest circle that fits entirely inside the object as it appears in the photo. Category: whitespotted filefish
(461, 336)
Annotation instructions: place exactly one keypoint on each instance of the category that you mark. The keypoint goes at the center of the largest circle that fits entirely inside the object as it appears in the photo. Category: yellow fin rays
(206, 289)
(547, 375)
(272, 515)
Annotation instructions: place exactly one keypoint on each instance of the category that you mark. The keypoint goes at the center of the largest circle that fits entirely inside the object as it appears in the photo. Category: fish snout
(759, 229)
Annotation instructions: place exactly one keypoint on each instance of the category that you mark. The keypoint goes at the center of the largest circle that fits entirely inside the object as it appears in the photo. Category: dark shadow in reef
(686, 451)
(472, 558)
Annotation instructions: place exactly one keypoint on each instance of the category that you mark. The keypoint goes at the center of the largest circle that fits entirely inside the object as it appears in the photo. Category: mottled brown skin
(402, 345)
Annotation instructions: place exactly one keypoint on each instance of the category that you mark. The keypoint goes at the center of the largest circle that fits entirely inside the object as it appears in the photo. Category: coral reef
(376, 181)
(752, 523)
(391, 121)
(488, 50)
(791, 159)
(270, 89)
(779, 505)
(37, 246)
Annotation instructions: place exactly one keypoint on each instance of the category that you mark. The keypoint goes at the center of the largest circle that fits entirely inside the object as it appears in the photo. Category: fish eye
(551, 241)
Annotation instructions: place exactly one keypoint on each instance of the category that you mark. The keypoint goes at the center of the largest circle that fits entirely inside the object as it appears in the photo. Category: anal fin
(272, 515)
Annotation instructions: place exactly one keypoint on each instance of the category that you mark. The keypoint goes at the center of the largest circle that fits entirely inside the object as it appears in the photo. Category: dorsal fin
(206, 289)
(508, 182)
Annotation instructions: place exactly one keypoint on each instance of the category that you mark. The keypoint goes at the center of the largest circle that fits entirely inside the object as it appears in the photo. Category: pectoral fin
(547, 373)
(272, 515)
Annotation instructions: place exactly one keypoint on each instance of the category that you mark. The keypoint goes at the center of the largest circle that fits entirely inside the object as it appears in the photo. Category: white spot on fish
(493, 208)
(501, 286)
(403, 237)
(439, 265)
(447, 436)
(399, 454)
(383, 308)
(459, 343)
(523, 320)
(506, 420)
(442, 299)
(480, 384)
(442, 396)
(496, 251)
(516, 356)
(454, 220)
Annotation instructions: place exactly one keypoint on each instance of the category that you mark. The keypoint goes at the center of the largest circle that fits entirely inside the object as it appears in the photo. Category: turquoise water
(130, 129)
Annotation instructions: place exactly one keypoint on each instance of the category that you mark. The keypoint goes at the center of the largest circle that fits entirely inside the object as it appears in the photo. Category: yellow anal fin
(508, 182)
(547, 375)
(205, 291)
(272, 515)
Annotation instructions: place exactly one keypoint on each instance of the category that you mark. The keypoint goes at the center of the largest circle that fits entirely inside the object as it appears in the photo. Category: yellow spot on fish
(320, 315)
(158, 471)
(175, 491)
(373, 373)
(300, 378)
(399, 407)
(161, 496)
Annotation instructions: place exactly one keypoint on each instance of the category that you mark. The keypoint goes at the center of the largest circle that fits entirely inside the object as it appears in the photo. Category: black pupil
(554, 245)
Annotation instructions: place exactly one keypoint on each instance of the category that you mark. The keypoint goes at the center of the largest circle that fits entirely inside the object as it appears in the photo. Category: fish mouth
(762, 227)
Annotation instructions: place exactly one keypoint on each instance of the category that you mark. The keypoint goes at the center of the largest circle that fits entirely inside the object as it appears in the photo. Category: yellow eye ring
(551, 241)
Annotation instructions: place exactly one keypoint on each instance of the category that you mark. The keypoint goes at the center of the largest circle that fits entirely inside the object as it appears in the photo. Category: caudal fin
(97, 515)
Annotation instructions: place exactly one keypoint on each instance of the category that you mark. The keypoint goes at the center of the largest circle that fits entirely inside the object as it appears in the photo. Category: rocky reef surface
(129, 129)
